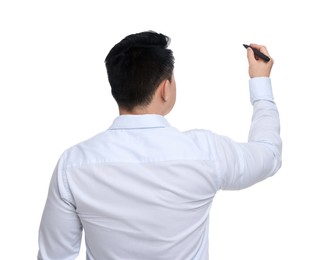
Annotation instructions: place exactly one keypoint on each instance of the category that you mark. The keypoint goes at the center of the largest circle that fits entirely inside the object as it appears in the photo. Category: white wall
(54, 93)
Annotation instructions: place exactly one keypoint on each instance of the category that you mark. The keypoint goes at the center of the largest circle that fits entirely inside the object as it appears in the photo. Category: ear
(165, 90)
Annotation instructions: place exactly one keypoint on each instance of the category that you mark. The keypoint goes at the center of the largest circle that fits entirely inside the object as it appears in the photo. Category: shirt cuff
(260, 89)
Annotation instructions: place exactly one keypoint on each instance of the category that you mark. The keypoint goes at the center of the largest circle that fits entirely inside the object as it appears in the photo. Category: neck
(140, 111)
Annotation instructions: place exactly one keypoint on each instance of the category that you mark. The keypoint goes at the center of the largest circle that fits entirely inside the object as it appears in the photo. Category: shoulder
(199, 134)
(208, 141)
(203, 138)
(82, 152)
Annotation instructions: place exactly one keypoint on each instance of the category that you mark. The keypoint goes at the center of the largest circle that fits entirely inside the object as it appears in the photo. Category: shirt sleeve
(243, 164)
(60, 230)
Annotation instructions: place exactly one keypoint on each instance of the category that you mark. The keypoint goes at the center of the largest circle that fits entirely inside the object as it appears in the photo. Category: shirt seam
(80, 165)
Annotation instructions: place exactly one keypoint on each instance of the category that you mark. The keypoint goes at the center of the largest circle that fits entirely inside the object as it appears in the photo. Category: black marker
(258, 53)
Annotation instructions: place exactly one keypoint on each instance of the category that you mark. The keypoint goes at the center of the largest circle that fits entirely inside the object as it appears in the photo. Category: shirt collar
(139, 122)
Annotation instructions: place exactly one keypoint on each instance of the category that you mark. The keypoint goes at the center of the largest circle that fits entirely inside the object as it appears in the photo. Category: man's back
(141, 189)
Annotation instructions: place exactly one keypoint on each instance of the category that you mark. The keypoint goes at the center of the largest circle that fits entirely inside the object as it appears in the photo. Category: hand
(258, 67)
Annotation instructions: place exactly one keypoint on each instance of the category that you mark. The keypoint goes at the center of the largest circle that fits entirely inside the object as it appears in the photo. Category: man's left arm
(60, 230)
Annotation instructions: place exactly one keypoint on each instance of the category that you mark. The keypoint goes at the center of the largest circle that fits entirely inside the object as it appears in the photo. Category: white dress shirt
(143, 190)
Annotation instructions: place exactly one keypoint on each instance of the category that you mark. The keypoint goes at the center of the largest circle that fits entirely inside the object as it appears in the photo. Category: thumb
(250, 55)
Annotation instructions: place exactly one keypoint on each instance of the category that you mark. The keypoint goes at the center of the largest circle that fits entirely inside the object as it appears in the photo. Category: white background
(54, 93)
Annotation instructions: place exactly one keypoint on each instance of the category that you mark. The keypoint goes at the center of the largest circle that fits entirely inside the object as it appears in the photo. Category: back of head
(136, 66)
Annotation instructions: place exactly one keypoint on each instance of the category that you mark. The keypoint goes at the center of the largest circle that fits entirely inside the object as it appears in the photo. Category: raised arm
(244, 164)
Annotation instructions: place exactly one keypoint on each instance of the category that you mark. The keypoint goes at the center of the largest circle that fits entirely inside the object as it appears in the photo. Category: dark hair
(136, 66)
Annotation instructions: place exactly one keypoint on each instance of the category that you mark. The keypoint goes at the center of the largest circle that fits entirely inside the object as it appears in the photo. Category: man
(142, 189)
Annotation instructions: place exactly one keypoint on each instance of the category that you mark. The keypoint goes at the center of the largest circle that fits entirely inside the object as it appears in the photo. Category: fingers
(261, 48)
